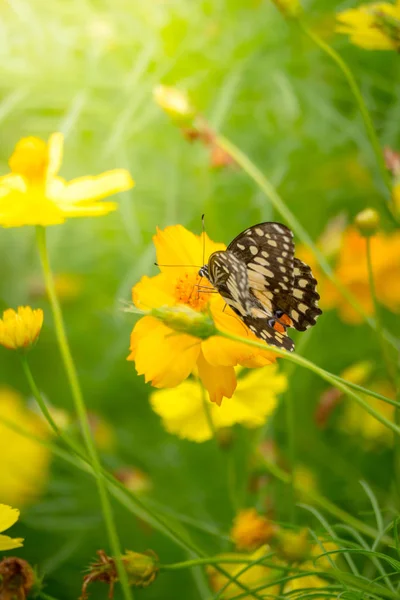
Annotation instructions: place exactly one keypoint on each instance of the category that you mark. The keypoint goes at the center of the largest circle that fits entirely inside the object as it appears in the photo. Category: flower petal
(182, 411)
(219, 381)
(175, 245)
(88, 189)
(152, 292)
(33, 208)
(55, 153)
(8, 516)
(7, 543)
(164, 357)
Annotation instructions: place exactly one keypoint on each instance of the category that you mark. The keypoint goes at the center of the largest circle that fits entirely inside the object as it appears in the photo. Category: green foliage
(88, 69)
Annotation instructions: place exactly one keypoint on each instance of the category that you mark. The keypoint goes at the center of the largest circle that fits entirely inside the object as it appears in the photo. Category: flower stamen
(188, 292)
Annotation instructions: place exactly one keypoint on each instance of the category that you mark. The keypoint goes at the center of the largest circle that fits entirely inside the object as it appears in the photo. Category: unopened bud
(184, 319)
(174, 102)
(142, 569)
(367, 222)
(293, 546)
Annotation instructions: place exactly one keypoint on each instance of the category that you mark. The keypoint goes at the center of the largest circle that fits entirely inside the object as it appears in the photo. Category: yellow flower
(21, 328)
(165, 357)
(183, 412)
(24, 462)
(255, 576)
(309, 582)
(351, 270)
(8, 516)
(33, 193)
(251, 530)
(372, 26)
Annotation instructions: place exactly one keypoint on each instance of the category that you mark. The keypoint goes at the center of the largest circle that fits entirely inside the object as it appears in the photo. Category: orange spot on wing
(286, 320)
(279, 327)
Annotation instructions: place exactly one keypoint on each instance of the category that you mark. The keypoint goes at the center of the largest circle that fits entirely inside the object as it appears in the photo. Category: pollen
(191, 292)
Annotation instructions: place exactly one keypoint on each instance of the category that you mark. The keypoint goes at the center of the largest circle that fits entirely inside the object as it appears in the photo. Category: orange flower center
(30, 158)
(187, 291)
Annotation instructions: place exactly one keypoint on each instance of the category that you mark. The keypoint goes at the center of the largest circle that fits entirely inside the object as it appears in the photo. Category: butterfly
(269, 289)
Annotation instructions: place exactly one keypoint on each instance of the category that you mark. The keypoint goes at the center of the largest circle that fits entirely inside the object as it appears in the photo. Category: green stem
(369, 126)
(290, 432)
(266, 186)
(303, 362)
(117, 488)
(81, 411)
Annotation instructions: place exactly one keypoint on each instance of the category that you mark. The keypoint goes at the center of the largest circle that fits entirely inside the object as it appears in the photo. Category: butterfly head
(203, 272)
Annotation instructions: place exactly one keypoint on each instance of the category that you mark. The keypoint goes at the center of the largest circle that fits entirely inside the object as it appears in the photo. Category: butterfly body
(265, 285)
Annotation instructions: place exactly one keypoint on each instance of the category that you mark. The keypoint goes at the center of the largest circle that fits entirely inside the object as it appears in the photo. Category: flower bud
(184, 319)
(142, 568)
(20, 329)
(174, 102)
(367, 222)
(251, 530)
(293, 545)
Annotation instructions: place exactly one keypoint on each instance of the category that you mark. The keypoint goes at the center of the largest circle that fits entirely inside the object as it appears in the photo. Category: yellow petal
(18, 209)
(7, 543)
(175, 245)
(87, 189)
(162, 356)
(152, 292)
(8, 516)
(182, 411)
(90, 210)
(55, 153)
(218, 381)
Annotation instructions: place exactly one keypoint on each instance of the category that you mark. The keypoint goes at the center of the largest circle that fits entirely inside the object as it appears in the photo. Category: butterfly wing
(261, 328)
(303, 303)
(268, 251)
(228, 274)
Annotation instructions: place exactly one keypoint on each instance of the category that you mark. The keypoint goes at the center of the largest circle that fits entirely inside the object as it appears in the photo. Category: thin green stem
(121, 494)
(291, 443)
(81, 411)
(303, 362)
(266, 186)
(369, 126)
(364, 390)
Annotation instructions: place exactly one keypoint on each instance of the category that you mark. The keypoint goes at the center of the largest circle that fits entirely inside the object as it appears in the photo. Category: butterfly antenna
(204, 238)
(194, 266)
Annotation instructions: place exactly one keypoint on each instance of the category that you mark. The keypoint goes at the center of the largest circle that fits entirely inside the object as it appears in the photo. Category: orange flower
(352, 271)
(251, 530)
(165, 357)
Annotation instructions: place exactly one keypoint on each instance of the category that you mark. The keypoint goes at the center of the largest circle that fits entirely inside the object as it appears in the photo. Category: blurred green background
(88, 69)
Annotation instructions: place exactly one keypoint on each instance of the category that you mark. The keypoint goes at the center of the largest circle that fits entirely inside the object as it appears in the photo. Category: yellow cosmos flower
(253, 577)
(251, 530)
(33, 193)
(351, 270)
(8, 516)
(24, 462)
(165, 357)
(20, 329)
(309, 582)
(372, 26)
(184, 414)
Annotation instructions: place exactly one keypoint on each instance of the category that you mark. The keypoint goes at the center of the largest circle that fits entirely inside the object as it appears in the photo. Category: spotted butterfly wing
(229, 275)
(303, 301)
(268, 251)
(282, 283)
